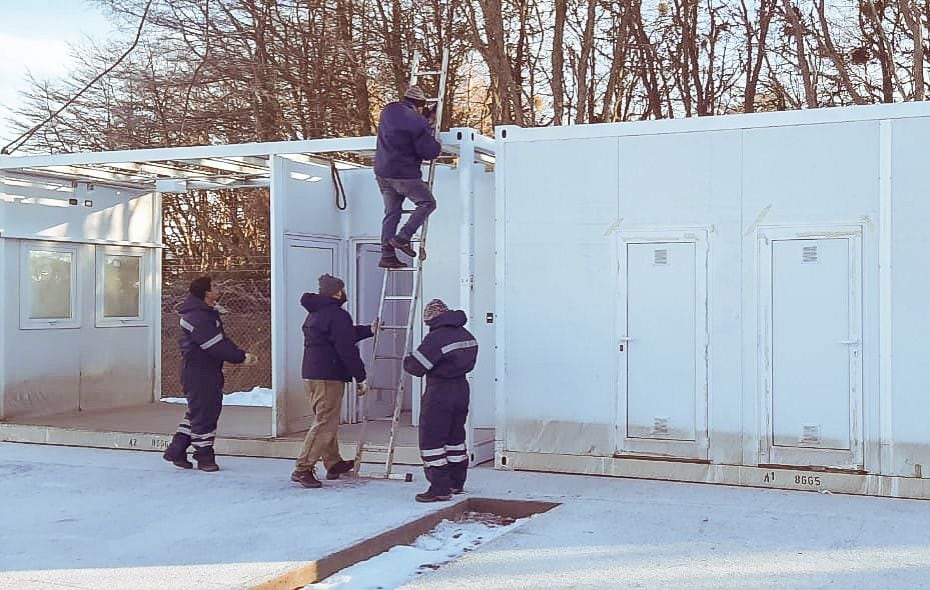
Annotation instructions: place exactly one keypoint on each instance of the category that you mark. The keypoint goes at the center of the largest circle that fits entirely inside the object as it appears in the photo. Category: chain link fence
(245, 301)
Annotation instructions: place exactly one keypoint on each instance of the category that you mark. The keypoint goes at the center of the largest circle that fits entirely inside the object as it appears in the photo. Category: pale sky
(35, 37)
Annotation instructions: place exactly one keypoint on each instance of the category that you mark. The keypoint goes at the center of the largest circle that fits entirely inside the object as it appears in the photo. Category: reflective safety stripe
(207, 435)
(457, 458)
(459, 346)
(215, 340)
(184, 430)
(436, 463)
(439, 451)
(460, 447)
(202, 443)
(187, 325)
(423, 360)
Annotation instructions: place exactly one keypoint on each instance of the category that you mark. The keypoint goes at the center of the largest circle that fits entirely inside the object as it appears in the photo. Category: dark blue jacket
(204, 347)
(405, 139)
(448, 351)
(330, 351)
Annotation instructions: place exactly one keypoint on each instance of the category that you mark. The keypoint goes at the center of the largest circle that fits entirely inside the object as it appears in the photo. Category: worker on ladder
(405, 139)
(447, 354)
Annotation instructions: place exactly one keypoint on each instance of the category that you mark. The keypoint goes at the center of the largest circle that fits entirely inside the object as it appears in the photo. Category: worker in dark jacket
(405, 139)
(447, 354)
(331, 359)
(205, 348)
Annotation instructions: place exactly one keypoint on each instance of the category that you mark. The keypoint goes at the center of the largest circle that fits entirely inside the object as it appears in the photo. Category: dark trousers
(198, 428)
(443, 410)
(394, 191)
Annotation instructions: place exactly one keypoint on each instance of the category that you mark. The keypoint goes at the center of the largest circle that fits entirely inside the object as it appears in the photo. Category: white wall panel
(561, 203)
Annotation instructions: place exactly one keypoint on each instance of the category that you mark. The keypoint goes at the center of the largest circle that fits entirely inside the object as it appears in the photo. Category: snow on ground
(448, 541)
(259, 397)
(82, 518)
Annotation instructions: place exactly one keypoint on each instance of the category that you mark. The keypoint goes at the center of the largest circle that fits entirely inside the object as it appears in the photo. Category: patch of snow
(391, 569)
(259, 397)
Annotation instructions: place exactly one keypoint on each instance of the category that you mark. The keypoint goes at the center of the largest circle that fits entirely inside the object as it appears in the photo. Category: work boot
(339, 468)
(403, 245)
(391, 262)
(181, 462)
(208, 466)
(456, 491)
(429, 496)
(306, 478)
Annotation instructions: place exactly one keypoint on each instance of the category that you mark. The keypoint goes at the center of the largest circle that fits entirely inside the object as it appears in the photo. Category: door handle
(850, 342)
(625, 339)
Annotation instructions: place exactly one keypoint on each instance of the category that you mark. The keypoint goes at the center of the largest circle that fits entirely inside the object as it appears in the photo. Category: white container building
(737, 299)
(80, 257)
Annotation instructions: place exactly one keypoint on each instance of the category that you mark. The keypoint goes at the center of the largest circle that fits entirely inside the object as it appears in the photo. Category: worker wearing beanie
(448, 353)
(205, 348)
(331, 359)
(405, 140)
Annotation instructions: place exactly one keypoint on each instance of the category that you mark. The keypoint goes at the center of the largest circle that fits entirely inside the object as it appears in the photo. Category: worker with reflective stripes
(447, 354)
(205, 348)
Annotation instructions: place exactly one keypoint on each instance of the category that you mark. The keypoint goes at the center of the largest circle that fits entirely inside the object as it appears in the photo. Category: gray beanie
(434, 309)
(415, 93)
(330, 285)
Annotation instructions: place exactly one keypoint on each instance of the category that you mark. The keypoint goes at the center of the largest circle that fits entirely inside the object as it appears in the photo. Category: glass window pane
(122, 280)
(50, 289)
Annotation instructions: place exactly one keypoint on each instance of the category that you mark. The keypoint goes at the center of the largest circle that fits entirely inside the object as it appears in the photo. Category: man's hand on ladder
(375, 326)
(430, 114)
(361, 388)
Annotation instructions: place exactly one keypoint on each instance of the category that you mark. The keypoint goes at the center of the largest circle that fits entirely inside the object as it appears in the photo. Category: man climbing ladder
(405, 139)
(402, 145)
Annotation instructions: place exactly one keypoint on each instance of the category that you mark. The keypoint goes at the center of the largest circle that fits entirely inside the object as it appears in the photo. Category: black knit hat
(200, 286)
(330, 285)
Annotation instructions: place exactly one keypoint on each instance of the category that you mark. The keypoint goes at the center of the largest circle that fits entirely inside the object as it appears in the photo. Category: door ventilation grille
(660, 257)
(810, 434)
(660, 425)
(809, 254)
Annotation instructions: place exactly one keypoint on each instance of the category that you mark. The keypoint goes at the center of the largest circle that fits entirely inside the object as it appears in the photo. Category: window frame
(25, 288)
(101, 320)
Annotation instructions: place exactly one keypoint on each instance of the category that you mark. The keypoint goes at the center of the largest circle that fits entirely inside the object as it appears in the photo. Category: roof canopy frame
(218, 166)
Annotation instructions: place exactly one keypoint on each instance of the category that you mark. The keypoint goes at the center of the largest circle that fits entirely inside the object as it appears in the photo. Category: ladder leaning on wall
(412, 297)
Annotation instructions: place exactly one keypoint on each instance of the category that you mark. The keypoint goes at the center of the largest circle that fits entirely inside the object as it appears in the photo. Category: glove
(250, 359)
(361, 388)
(430, 114)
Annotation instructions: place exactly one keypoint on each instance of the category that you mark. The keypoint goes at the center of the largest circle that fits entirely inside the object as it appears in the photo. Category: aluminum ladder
(412, 298)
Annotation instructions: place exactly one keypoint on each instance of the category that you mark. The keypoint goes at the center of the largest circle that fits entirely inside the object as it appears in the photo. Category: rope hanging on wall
(338, 189)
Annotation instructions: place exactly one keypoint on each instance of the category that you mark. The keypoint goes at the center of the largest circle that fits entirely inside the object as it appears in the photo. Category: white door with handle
(661, 345)
(810, 361)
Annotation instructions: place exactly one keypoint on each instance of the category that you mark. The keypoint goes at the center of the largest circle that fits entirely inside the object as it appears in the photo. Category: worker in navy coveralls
(205, 348)
(447, 354)
(405, 139)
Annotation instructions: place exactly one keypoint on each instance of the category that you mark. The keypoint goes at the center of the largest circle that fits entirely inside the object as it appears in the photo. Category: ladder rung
(398, 298)
(432, 99)
(429, 73)
(375, 448)
(381, 357)
(380, 419)
(406, 477)
(393, 327)
(404, 269)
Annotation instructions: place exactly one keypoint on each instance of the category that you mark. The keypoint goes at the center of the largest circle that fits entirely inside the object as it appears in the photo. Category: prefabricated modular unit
(739, 299)
(78, 307)
(80, 256)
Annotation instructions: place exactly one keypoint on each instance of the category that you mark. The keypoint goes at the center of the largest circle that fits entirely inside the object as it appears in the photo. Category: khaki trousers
(321, 443)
